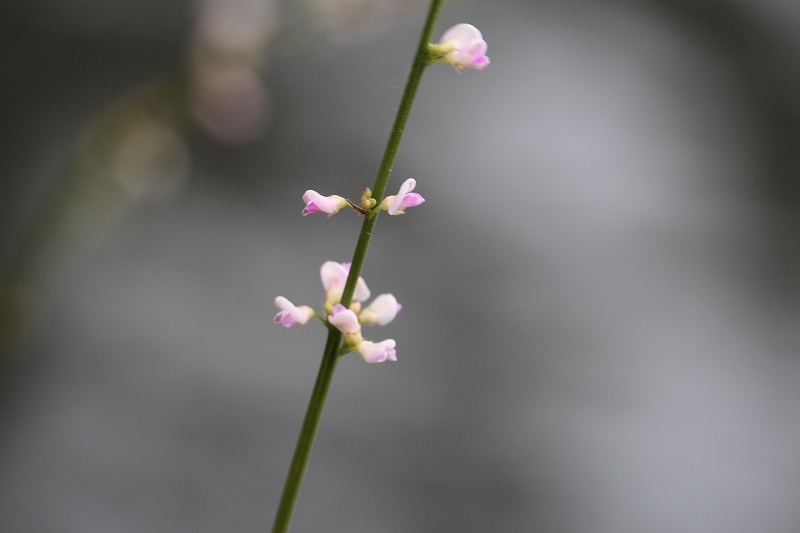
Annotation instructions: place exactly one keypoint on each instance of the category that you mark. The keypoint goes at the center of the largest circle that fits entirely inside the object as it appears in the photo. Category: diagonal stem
(308, 430)
(305, 441)
(392, 145)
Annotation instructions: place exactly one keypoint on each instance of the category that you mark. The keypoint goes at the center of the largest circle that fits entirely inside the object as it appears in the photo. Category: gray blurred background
(601, 296)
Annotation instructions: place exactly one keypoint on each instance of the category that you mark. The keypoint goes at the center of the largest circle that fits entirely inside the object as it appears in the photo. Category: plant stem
(308, 431)
(305, 441)
(392, 145)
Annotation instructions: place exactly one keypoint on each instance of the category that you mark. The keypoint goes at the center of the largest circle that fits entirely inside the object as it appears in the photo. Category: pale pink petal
(334, 275)
(462, 33)
(381, 311)
(377, 352)
(289, 315)
(362, 291)
(404, 198)
(411, 200)
(391, 353)
(465, 47)
(311, 207)
(344, 319)
(316, 203)
(406, 187)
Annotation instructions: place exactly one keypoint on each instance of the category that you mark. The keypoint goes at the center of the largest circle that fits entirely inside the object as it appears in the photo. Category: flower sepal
(351, 340)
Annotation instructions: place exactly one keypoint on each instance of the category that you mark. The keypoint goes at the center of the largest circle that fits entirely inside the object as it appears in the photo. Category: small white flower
(381, 311)
(463, 47)
(289, 315)
(377, 352)
(316, 203)
(334, 277)
(396, 204)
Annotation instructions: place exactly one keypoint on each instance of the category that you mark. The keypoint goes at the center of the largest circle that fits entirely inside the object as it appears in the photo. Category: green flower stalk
(463, 47)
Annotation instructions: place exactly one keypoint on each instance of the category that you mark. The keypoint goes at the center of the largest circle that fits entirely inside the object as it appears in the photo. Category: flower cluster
(381, 311)
(462, 46)
(334, 275)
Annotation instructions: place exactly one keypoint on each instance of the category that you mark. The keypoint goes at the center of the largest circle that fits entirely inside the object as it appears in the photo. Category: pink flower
(344, 319)
(381, 311)
(316, 203)
(396, 205)
(289, 315)
(334, 277)
(463, 47)
(377, 352)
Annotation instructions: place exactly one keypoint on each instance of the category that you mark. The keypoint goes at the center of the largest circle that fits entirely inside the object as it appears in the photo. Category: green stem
(305, 441)
(392, 145)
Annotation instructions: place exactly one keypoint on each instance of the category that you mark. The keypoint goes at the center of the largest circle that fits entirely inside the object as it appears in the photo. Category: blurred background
(601, 296)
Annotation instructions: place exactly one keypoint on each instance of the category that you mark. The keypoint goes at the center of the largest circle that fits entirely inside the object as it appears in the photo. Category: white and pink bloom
(316, 203)
(344, 319)
(347, 320)
(381, 311)
(397, 204)
(377, 352)
(289, 315)
(334, 277)
(463, 47)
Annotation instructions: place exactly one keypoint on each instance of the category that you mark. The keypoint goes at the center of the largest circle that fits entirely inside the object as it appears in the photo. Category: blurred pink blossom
(463, 47)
